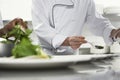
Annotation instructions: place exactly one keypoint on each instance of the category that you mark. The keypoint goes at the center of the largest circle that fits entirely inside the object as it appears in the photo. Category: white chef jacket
(55, 20)
(1, 22)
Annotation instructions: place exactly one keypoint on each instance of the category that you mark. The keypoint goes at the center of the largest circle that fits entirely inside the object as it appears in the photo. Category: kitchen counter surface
(95, 70)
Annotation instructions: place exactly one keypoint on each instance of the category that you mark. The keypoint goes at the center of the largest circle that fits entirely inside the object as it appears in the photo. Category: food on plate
(23, 46)
(99, 47)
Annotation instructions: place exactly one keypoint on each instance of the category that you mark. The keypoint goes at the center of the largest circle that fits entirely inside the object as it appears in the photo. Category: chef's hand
(8, 27)
(16, 21)
(74, 42)
(115, 33)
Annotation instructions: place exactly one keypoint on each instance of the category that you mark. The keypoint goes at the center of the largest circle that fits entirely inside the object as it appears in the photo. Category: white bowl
(106, 49)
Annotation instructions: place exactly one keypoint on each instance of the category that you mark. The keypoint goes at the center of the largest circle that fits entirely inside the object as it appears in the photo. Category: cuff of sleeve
(106, 36)
(58, 40)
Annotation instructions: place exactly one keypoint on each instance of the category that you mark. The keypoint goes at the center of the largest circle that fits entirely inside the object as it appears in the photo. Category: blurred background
(11, 9)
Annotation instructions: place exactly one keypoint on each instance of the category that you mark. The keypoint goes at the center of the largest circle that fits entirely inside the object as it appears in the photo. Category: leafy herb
(23, 45)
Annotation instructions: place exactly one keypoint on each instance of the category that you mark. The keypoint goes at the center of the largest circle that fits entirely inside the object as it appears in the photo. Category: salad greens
(22, 43)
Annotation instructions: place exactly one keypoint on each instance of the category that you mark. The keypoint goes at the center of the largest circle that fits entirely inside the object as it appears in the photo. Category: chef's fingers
(117, 33)
(81, 37)
(77, 40)
(77, 37)
(76, 44)
(19, 21)
(74, 41)
(75, 47)
(14, 22)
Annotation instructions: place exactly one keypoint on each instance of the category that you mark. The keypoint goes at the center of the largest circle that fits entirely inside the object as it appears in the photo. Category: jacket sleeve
(99, 25)
(42, 26)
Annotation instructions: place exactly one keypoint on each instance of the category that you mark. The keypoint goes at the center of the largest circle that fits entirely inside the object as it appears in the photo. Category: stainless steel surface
(5, 49)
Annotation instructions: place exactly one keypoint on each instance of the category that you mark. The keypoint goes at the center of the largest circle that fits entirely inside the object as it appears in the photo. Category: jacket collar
(64, 2)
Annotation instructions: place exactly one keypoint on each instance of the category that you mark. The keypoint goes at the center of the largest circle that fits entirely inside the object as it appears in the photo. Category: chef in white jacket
(59, 23)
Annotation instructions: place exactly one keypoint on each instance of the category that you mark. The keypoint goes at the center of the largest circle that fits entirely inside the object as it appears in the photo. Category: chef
(59, 23)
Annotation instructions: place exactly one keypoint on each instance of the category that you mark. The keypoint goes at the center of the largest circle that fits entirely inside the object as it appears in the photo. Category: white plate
(55, 61)
(33, 62)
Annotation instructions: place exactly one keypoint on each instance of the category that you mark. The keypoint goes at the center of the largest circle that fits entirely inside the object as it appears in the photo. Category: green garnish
(23, 45)
(99, 47)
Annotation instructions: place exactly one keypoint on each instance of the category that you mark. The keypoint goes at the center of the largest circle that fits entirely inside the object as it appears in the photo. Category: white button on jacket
(54, 20)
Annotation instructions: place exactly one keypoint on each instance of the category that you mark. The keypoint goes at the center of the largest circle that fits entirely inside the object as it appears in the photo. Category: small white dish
(105, 49)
